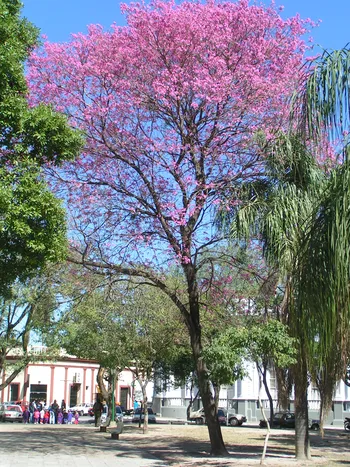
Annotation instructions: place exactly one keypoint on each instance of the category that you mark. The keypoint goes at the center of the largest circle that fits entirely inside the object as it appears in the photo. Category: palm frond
(323, 101)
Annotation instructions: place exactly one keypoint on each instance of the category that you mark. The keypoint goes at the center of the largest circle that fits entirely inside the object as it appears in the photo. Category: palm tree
(301, 212)
(280, 212)
(322, 313)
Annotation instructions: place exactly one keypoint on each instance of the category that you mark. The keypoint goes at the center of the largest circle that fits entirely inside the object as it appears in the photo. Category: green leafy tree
(27, 310)
(32, 225)
(270, 346)
(132, 327)
(225, 359)
(32, 222)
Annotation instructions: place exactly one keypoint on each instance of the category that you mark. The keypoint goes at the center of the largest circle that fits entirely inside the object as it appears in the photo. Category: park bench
(117, 430)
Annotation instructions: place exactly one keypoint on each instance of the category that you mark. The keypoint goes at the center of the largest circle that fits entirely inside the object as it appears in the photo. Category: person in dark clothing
(26, 416)
(98, 409)
(32, 407)
(63, 405)
(54, 408)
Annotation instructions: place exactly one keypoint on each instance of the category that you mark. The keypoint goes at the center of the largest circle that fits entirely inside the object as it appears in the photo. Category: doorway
(38, 392)
(124, 393)
(74, 396)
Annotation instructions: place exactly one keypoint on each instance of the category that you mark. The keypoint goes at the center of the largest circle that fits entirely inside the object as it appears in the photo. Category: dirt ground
(188, 446)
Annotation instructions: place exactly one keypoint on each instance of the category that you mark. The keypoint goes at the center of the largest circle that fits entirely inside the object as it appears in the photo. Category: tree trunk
(190, 405)
(144, 409)
(262, 460)
(284, 388)
(302, 441)
(192, 320)
(217, 443)
(105, 393)
(263, 372)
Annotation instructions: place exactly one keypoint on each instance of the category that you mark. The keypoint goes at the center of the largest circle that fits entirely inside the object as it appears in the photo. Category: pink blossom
(170, 105)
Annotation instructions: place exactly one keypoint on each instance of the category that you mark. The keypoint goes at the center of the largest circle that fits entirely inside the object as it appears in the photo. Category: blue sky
(59, 18)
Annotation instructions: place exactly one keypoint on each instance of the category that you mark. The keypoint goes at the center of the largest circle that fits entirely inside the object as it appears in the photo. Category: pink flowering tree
(170, 106)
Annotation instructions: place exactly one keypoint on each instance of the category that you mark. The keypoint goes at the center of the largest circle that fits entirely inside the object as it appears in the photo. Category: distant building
(74, 380)
(242, 398)
(70, 378)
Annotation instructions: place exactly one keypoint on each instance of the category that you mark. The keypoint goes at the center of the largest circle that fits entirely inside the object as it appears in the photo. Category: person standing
(47, 417)
(42, 415)
(55, 407)
(32, 407)
(52, 416)
(60, 417)
(98, 408)
(26, 415)
(36, 416)
(69, 417)
(63, 405)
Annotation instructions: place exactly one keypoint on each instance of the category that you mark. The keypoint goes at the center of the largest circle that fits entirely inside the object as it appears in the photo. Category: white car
(82, 409)
(11, 413)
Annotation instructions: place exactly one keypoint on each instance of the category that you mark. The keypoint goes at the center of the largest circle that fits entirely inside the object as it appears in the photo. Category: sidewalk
(67, 445)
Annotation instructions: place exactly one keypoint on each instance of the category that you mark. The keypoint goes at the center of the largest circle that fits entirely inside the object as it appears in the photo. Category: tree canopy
(32, 221)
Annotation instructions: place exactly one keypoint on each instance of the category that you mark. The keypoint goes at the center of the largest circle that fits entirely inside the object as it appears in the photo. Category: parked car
(11, 413)
(82, 409)
(137, 414)
(314, 424)
(197, 416)
(287, 420)
(233, 419)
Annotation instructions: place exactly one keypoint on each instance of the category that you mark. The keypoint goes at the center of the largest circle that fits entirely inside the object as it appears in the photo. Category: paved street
(67, 445)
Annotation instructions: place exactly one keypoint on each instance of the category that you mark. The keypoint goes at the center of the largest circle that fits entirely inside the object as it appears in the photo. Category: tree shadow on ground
(173, 447)
(46, 440)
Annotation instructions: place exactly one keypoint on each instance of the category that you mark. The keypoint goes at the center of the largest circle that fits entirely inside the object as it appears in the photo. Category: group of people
(38, 413)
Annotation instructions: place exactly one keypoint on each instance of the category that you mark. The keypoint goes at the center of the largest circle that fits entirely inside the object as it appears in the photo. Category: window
(346, 406)
(239, 388)
(272, 379)
(14, 392)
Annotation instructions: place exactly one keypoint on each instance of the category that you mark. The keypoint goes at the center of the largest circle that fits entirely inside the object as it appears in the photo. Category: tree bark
(262, 460)
(144, 409)
(302, 441)
(284, 387)
(217, 443)
(263, 372)
(105, 393)
(218, 448)
(192, 320)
